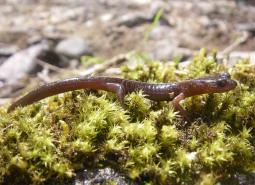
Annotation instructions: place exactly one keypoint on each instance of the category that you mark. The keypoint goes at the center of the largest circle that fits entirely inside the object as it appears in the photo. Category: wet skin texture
(174, 92)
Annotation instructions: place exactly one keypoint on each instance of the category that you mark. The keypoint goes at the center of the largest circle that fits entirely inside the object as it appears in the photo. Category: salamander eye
(221, 82)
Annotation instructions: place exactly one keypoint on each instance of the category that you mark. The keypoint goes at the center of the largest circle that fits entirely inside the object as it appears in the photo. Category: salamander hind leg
(178, 107)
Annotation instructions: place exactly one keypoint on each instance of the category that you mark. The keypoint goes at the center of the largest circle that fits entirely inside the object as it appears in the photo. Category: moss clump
(49, 141)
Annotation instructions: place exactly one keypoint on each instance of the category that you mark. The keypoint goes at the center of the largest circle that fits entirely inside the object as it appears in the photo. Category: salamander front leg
(119, 90)
(178, 107)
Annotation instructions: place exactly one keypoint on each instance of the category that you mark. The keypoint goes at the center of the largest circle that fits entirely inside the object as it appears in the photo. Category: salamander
(174, 92)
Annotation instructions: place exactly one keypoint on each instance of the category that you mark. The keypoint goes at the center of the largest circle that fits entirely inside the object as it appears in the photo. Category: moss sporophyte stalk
(50, 140)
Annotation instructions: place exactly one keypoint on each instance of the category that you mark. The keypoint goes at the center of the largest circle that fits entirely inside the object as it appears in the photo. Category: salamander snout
(217, 84)
(233, 84)
(225, 84)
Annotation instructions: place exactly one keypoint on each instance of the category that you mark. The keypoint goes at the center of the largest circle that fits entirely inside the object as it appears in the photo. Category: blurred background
(42, 39)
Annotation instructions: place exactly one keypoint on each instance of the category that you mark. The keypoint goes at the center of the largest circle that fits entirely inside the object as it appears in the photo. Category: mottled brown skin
(174, 92)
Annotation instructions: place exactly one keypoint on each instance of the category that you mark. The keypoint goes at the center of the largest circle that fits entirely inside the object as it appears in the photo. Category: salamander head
(211, 84)
(223, 83)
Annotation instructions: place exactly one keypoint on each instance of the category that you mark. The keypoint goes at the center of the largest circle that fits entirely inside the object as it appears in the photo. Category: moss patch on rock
(49, 141)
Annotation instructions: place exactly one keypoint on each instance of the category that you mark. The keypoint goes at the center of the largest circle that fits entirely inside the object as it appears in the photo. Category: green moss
(50, 140)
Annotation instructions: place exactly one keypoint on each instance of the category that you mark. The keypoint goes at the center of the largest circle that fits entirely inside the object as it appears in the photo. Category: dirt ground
(113, 26)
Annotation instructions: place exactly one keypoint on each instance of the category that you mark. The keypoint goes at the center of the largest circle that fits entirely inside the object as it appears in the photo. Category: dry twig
(99, 68)
(236, 43)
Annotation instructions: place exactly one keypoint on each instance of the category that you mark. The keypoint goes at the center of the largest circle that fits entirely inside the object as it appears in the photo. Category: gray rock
(106, 17)
(101, 176)
(249, 27)
(137, 18)
(245, 2)
(161, 32)
(246, 179)
(235, 56)
(134, 19)
(50, 57)
(239, 179)
(21, 63)
(8, 49)
(73, 47)
(2, 59)
(167, 50)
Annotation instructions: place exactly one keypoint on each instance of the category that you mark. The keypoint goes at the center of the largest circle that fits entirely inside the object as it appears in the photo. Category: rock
(239, 179)
(134, 19)
(2, 59)
(106, 17)
(138, 3)
(249, 27)
(21, 63)
(11, 89)
(235, 56)
(161, 32)
(101, 176)
(167, 50)
(246, 179)
(129, 3)
(73, 47)
(53, 58)
(138, 18)
(7, 49)
(245, 2)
